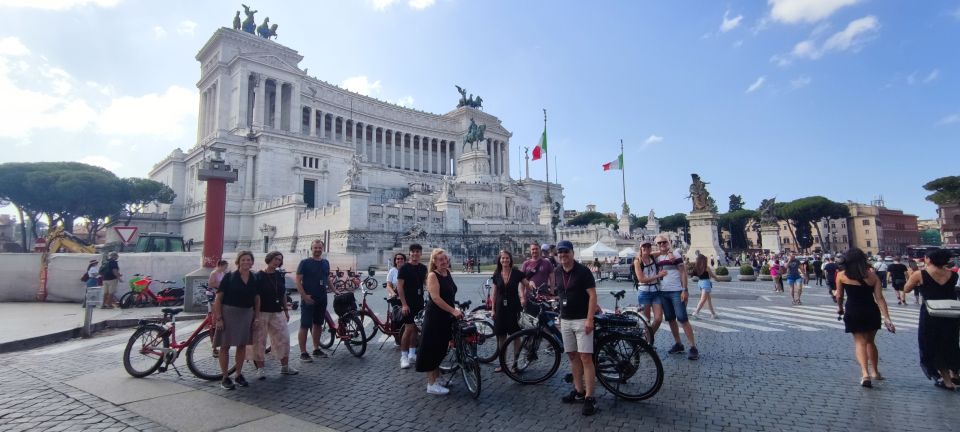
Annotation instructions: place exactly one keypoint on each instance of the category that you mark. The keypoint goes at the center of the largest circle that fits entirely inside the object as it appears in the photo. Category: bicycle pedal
(162, 369)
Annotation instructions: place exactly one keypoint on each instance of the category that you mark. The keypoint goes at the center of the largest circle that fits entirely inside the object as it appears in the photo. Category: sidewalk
(31, 325)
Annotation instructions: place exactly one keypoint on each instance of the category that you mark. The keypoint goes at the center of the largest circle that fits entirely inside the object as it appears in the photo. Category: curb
(65, 335)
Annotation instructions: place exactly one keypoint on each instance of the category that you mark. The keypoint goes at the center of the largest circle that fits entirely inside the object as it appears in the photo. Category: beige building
(875, 229)
(948, 217)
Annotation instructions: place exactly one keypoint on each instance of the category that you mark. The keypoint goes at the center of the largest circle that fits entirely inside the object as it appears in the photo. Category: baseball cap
(646, 243)
(565, 244)
(94, 261)
(545, 246)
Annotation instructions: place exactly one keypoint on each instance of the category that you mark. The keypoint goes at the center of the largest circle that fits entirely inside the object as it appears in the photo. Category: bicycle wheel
(202, 357)
(471, 375)
(353, 329)
(628, 367)
(145, 350)
(370, 284)
(486, 341)
(327, 336)
(537, 359)
(449, 362)
(366, 321)
(126, 300)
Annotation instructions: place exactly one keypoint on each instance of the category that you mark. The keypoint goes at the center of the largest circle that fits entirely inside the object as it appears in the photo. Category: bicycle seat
(619, 294)
(171, 311)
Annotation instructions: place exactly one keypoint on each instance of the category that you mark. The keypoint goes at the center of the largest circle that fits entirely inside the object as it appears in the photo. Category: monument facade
(317, 161)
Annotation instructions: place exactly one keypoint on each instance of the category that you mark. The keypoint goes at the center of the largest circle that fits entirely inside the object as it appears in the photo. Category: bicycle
(154, 344)
(369, 282)
(141, 295)
(633, 314)
(539, 355)
(347, 329)
(389, 325)
(462, 357)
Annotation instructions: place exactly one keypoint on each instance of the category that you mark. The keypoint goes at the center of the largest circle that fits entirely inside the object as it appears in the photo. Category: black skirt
(507, 321)
(437, 332)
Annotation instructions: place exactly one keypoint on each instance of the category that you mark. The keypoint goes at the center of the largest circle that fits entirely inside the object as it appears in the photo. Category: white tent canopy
(597, 250)
(627, 252)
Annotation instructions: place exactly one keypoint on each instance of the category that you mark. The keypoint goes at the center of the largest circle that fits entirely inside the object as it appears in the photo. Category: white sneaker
(413, 358)
(288, 370)
(437, 389)
(404, 363)
(259, 374)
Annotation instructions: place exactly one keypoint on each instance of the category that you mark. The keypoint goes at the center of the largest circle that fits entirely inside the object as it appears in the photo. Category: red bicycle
(141, 295)
(389, 326)
(347, 328)
(154, 347)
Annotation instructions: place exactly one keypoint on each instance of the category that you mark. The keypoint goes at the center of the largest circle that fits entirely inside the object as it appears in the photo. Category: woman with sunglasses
(398, 261)
(674, 296)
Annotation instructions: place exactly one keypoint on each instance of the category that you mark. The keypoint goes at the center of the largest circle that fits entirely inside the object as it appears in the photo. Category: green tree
(589, 218)
(736, 203)
(804, 212)
(638, 222)
(675, 222)
(945, 190)
(137, 193)
(736, 222)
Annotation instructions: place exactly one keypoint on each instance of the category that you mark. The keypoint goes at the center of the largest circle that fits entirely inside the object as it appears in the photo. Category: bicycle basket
(527, 321)
(137, 284)
(609, 320)
(344, 303)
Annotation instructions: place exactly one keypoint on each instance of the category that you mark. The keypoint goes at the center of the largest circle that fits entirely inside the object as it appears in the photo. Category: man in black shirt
(830, 270)
(312, 285)
(898, 275)
(410, 282)
(818, 269)
(578, 298)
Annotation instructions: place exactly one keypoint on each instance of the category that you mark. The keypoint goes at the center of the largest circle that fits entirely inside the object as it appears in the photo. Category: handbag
(943, 308)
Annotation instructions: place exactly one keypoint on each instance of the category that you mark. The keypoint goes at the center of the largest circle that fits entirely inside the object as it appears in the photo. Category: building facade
(317, 161)
(876, 229)
(948, 216)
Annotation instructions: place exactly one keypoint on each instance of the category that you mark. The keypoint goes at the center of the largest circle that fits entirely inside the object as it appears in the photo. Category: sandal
(943, 385)
(865, 382)
(877, 377)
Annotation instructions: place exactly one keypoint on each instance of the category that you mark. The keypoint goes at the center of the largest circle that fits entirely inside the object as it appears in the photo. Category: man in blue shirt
(312, 285)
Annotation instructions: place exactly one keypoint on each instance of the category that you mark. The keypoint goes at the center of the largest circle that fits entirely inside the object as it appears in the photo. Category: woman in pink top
(777, 277)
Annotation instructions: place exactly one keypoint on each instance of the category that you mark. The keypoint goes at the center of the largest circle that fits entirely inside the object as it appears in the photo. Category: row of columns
(209, 104)
(499, 154)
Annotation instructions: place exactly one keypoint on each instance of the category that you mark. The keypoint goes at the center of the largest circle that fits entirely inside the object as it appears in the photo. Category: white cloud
(653, 139)
(186, 27)
(950, 119)
(158, 115)
(421, 4)
(159, 32)
(12, 47)
(362, 85)
(730, 23)
(37, 109)
(382, 5)
(800, 82)
(852, 38)
(101, 161)
(406, 101)
(756, 84)
(57, 5)
(794, 11)
(932, 76)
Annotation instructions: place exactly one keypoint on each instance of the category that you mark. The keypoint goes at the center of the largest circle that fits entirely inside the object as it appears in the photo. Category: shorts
(898, 284)
(409, 318)
(110, 286)
(792, 280)
(575, 337)
(312, 314)
(648, 298)
(706, 285)
(673, 308)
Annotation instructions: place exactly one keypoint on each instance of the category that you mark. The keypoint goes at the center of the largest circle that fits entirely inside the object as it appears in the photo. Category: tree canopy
(806, 211)
(945, 190)
(736, 222)
(64, 191)
(590, 218)
(736, 203)
(638, 222)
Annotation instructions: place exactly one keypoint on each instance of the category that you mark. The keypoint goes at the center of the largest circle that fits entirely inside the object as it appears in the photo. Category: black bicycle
(538, 356)
(462, 357)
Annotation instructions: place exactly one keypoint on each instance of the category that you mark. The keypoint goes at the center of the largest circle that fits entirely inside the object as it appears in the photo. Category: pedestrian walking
(937, 337)
(881, 268)
(648, 286)
(795, 278)
(777, 276)
(311, 280)
(410, 284)
(438, 320)
(236, 308)
(508, 301)
(830, 270)
(817, 265)
(213, 281)
(912, 268)
(861, 312)
(578, 299)
(704, 281)
(273, 318)
(110, 274)
(674, 295)
(898, 278)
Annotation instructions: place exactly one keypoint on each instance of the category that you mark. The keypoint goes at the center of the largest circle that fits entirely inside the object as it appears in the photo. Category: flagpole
(623, 177)
(548, 198)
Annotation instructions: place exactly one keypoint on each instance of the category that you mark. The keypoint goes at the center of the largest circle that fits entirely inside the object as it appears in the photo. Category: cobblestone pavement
(765, 365)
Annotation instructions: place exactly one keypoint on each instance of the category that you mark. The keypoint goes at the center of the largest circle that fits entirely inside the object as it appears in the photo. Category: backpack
(85, 277)
(105, 269)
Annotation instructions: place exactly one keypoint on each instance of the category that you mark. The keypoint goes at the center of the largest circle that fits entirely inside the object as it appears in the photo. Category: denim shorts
(648, 298)
(792, 280)
(706, 285)
(673, 308)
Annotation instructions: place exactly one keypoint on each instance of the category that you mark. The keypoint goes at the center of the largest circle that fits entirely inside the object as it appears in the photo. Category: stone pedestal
(354, 205)
(473, 166)
(453, 220)
(770, 238)
(704, 238)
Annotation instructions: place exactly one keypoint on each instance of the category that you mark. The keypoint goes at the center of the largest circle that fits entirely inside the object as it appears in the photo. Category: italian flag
(616, 164)
(541, 147)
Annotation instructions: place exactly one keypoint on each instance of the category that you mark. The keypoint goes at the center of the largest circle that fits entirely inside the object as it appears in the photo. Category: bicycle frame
(332, 324)
(381, 325)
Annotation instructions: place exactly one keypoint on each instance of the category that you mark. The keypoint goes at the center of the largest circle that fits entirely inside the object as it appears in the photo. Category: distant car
(159, 242)
(623, 269)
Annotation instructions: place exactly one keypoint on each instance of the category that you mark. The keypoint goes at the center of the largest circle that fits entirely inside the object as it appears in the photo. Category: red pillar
(213, 222)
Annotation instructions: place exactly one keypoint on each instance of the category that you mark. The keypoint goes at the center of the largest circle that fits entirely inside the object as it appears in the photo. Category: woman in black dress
(864, 304)
(508, 300)
(438, 320)
(938, 337)
(235, 309)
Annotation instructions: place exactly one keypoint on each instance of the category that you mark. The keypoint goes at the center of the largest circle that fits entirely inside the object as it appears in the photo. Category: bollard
(94, 298)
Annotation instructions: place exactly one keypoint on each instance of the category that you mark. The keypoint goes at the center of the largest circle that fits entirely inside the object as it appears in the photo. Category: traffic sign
(126, 233)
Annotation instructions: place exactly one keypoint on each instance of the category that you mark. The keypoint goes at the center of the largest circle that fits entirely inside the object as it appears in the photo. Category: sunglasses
(662, 242)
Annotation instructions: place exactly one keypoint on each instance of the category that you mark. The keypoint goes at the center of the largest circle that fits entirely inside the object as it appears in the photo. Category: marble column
(258, 101)
(313, 121)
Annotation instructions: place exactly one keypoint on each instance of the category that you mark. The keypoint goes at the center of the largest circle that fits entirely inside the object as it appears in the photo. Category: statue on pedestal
(766, 211)
(352, 179)
(249, 24)
(699, 194)
(236, 21)
(469, 102)
(474, 135)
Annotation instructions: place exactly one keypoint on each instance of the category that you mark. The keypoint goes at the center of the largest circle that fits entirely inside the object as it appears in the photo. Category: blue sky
(850, 99)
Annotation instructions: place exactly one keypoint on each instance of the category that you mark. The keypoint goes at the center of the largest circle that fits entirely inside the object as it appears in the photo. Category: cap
(564, 244)
(113, 254)
(545, 246)
(646, 243)
(94, 261)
